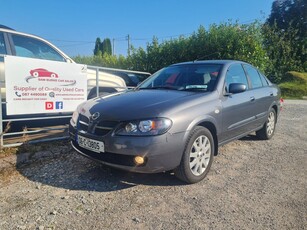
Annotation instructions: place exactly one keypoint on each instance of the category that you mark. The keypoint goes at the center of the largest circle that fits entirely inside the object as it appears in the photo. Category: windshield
(196, 77)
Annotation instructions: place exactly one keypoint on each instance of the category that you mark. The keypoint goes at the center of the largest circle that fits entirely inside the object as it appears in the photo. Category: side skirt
(239, 136)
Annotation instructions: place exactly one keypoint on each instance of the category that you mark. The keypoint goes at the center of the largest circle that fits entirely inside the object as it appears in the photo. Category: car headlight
(147, 127)
(75, 117)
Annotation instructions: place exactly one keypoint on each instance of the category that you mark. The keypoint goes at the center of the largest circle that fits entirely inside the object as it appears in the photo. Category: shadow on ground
(69, 170)
(250, 137)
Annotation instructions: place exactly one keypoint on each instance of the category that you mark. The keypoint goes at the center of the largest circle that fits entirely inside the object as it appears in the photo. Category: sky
(74, 25)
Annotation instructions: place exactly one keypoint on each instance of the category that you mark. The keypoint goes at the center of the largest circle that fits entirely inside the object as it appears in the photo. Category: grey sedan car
(177, 118)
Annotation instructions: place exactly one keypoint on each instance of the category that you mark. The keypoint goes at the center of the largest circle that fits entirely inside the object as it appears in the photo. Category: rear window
(253, 76)
(263, 79)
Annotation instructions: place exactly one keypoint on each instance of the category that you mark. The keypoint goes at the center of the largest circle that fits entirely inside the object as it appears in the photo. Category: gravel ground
(252, 185)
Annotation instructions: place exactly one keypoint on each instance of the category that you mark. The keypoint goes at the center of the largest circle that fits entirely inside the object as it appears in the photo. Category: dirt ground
(252, 184)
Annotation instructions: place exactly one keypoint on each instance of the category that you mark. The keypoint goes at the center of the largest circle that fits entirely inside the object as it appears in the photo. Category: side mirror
(237, 88)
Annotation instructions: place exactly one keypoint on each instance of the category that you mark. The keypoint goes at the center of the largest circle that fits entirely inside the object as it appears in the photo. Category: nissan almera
(177, 118)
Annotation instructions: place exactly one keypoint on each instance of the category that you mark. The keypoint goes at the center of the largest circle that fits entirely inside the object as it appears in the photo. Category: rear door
(262, 92)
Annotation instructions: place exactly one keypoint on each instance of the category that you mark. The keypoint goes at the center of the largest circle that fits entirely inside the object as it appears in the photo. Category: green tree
(106, 47)
(97, 49)
(224, 41)
(285, 37)
(289, 12)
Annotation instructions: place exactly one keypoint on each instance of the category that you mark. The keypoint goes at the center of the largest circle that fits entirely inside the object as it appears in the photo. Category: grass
(32, 148)
(294, 85)
(8, 151)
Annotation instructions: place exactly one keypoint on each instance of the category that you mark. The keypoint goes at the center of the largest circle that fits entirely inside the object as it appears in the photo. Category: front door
(238, 113)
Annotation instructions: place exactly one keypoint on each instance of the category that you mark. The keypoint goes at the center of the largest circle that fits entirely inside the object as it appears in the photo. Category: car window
(235, 74)
(263, 79)
(33, 48)
(253, 76)
(2, 44)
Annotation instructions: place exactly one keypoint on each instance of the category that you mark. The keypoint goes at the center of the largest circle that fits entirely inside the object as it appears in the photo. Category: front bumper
(162, 153)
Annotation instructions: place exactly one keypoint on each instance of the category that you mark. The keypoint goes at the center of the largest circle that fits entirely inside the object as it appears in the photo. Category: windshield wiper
(161, 87)
(193, 89)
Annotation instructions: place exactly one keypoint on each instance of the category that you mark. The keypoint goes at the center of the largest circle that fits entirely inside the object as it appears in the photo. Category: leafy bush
(104, 60)
(270, 47)
(223, 41)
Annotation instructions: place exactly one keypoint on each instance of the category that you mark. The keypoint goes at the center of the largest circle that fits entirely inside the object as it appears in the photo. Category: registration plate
(90, 144)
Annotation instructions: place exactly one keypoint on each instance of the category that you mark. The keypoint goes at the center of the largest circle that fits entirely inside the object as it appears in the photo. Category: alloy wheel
(200, 154)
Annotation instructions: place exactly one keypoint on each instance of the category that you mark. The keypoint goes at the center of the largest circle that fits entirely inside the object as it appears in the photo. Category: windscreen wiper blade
(161, 87)
(193, 88)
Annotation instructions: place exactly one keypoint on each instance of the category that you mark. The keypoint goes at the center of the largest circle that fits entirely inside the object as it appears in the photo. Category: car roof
(5, 27)
(12, 31)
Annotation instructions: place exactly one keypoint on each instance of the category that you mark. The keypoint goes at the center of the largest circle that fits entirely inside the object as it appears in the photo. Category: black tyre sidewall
(263, 133)
(266, 130)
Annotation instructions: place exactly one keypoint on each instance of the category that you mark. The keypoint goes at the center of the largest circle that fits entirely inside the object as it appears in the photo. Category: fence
(64, 135)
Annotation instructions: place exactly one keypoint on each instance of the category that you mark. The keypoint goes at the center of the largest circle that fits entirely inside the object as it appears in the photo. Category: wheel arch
(211, 127)
(276, 110)
(210, 124)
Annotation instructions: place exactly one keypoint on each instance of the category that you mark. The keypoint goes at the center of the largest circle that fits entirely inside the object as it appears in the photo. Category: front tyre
(197, 157)
(268, 129)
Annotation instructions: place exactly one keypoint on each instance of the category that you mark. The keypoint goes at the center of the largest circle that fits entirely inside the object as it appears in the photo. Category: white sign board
(40, 86)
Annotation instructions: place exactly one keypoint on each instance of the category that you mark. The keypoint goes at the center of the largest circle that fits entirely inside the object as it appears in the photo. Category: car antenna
(202, 57)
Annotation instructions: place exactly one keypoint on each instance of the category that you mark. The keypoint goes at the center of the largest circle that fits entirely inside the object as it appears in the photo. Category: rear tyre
(268, 129)
(197, 157)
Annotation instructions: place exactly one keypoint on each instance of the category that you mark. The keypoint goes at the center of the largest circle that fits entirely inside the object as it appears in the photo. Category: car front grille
(83, 122)
(99, 128)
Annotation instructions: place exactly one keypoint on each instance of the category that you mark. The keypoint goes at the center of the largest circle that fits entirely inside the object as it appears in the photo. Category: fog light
(139, 160)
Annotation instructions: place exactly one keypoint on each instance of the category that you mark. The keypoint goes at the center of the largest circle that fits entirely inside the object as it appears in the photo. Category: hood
(133, 105)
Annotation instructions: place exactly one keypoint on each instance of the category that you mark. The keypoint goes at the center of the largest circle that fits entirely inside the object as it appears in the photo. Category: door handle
(252, 98)
(271, 94)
